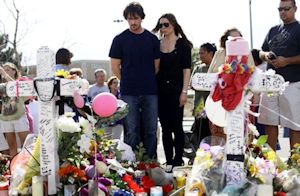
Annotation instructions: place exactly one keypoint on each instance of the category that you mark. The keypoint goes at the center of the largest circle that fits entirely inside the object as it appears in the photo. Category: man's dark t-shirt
(137, 53)
(284, 40)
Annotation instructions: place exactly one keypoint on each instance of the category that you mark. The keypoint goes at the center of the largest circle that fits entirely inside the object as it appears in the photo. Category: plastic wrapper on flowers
(24, 166)
(121, 112)
(208, 174)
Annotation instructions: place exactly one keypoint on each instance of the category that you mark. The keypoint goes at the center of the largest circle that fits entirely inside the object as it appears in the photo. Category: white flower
(67, 124)
(84, 143)
(86, 126)
(69, 114)
(83, 122)
(253, 129)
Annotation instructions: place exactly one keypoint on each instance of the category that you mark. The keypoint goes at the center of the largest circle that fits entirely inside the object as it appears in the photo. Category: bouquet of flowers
(261, 161)
(288, 179)
(294, 159)
(4, 172)
(207, 174)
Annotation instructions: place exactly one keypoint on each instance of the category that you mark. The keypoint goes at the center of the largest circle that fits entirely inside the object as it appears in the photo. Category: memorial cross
(235, 125)
(46, 87)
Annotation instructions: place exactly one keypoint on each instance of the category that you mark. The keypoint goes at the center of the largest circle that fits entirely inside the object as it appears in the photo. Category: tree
(7, 53)
(8, 48)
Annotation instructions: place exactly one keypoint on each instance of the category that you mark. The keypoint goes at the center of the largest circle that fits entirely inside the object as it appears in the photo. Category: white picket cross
(47, 111)
(259, 82)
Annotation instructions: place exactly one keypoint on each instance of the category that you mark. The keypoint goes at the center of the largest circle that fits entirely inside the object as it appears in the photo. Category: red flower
(152, 165)
(147, 183)
(141, 166)
(280, 194)
(70, 170)
(167, 188)
(127, 178)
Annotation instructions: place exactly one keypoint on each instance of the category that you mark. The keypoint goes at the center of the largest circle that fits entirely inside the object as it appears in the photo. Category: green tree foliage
(8, 53)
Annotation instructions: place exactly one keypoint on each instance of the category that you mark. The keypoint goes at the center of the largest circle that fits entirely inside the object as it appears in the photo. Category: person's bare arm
(115, 67)
(186, 81)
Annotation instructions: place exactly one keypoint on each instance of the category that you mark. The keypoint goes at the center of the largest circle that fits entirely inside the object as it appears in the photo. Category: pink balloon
(105, 104)
(78, 100)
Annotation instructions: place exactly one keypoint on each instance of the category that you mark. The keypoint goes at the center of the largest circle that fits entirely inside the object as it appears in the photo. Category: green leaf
(262, 140)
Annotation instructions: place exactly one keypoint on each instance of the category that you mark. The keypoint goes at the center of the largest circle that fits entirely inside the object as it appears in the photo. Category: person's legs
(10, 136)
(149, 106)
(132, 121)
(12, 143)
(22, 135)
(272, 133)
(178, 133)
(167, 137)
(294, 138)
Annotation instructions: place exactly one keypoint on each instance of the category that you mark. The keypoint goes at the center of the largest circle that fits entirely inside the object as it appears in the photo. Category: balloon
(90, 171)
(104, 104)
(215, 112)
(78, 100)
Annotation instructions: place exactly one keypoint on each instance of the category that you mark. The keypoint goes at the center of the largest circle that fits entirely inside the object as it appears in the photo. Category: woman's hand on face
(182, 99)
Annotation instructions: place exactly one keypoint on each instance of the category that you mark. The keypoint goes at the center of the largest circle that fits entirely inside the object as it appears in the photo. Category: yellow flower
(271, 155)
(298, 162)
(297, 145)
(295, 157)
(61, 73)
(253, 170)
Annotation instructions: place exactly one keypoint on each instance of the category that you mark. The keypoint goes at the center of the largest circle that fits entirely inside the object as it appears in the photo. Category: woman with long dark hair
(173, 81)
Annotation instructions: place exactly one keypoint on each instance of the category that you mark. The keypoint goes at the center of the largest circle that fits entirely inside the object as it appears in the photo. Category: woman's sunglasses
(164, 25)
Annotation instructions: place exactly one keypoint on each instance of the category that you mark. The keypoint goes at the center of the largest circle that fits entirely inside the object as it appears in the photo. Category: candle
(156, 191)
(141, 194)
(180, 181)
(264, 190)
(37, 186)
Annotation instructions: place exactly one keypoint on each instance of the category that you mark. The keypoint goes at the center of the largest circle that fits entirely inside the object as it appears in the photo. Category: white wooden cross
(259, 82)
(47, 111)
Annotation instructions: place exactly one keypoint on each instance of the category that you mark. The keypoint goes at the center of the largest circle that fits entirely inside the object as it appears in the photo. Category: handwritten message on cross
(46, 87)
(235, 141)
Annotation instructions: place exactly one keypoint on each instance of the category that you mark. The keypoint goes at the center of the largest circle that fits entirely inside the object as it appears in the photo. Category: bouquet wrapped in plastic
(24, 166)
(208, 174)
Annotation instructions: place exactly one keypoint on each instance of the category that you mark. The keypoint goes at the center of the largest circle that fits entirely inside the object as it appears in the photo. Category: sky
(87, 27)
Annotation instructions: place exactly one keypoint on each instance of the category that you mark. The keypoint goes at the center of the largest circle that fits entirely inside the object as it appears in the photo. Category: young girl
(13, 117)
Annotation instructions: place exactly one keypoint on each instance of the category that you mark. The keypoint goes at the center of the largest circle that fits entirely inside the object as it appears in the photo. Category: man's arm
(156, 63)
(280, 61)
(284, 61)
(115, 67)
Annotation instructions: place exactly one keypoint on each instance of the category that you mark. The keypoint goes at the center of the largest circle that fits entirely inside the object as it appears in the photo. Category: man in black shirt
(281, 49)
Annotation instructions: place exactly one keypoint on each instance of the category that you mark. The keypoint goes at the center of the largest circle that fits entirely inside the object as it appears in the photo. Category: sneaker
(169, 169)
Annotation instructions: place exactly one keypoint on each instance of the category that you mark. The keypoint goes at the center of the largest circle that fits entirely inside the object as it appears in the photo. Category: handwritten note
(47, 134)
(235, 172)
(25, 88)
(45, 62)
(203, 81)
(235, 130)
(266, 82)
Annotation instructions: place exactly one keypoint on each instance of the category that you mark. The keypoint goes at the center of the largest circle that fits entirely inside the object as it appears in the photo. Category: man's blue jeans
(142, 109)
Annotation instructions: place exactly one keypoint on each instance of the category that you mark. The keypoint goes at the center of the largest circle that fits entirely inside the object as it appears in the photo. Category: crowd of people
(152, 71)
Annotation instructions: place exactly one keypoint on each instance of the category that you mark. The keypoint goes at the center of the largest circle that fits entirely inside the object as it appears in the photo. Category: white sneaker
(169, 168)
